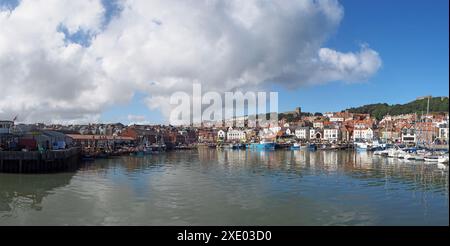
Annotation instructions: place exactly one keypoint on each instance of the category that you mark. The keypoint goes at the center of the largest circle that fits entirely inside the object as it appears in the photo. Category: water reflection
(28, 191)
(227, 187)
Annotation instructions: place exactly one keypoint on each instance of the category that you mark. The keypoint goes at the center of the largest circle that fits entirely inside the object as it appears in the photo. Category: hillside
(437, 104)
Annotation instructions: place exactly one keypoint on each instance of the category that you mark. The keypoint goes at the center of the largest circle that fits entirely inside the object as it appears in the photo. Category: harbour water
(232, 187)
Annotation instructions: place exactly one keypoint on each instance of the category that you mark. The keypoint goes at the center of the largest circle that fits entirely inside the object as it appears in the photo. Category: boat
(431, 158)
(401, 154)
(295, 146)
(410, 156)
(419, 157)
(392, 153)
(361, 146)
(443, 159)
(312, 146)
(263, 144)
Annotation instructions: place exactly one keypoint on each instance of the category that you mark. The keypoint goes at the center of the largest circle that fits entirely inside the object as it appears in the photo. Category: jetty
(39, 161)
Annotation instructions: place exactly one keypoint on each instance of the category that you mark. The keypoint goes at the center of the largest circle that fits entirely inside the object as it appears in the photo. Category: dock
(39, 162)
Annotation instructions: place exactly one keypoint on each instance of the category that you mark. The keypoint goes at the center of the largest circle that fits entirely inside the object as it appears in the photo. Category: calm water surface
(209, 187)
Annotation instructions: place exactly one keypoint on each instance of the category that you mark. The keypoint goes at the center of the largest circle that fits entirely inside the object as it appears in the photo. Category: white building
(315, 134)
(363, 134)
(235, 134)
(331, 134)
(302, 133)
(337, 119)
(408, 134)
(318, 124)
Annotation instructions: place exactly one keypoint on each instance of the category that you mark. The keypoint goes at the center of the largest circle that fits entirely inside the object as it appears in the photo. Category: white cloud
(158, 47)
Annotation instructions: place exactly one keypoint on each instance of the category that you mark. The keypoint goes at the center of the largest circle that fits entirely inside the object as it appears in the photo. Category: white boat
(431, 158)
(443, 159)
(394, 153)
(409, 156)
(419, 157)
(401, 154)
(384, 152)
(377, 152)
(361, 146)
(295, 146)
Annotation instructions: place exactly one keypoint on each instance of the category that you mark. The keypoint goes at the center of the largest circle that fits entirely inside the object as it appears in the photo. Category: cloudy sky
(80, 61)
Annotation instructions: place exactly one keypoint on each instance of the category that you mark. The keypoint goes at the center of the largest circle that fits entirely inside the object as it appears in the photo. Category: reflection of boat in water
(264, 144)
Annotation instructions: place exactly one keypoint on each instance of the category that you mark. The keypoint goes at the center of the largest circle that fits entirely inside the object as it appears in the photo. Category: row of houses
(331, 127)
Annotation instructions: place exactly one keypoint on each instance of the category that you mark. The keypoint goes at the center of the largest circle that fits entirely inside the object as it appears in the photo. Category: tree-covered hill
(437, 104)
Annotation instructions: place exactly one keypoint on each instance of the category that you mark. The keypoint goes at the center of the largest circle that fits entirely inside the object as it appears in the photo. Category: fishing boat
(263, 144)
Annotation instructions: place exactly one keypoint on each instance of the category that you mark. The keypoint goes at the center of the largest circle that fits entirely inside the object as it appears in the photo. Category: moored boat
(295, 146)
(431, 158)
(264, 144)
(443, 159)
(312, 146)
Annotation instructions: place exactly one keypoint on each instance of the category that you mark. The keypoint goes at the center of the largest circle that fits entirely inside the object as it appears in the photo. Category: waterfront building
(315, 133)
(363, 134)
(408, 134)
(331, 134)
(390, 134)
(425, 132)
(302, 133)
(236, 135)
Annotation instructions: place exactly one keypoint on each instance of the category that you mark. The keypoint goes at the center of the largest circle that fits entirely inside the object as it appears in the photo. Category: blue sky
(411, 37)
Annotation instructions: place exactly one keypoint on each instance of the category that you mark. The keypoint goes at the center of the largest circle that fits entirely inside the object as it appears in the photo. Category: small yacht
(431, 158)
(409, 156)
(443, 159)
